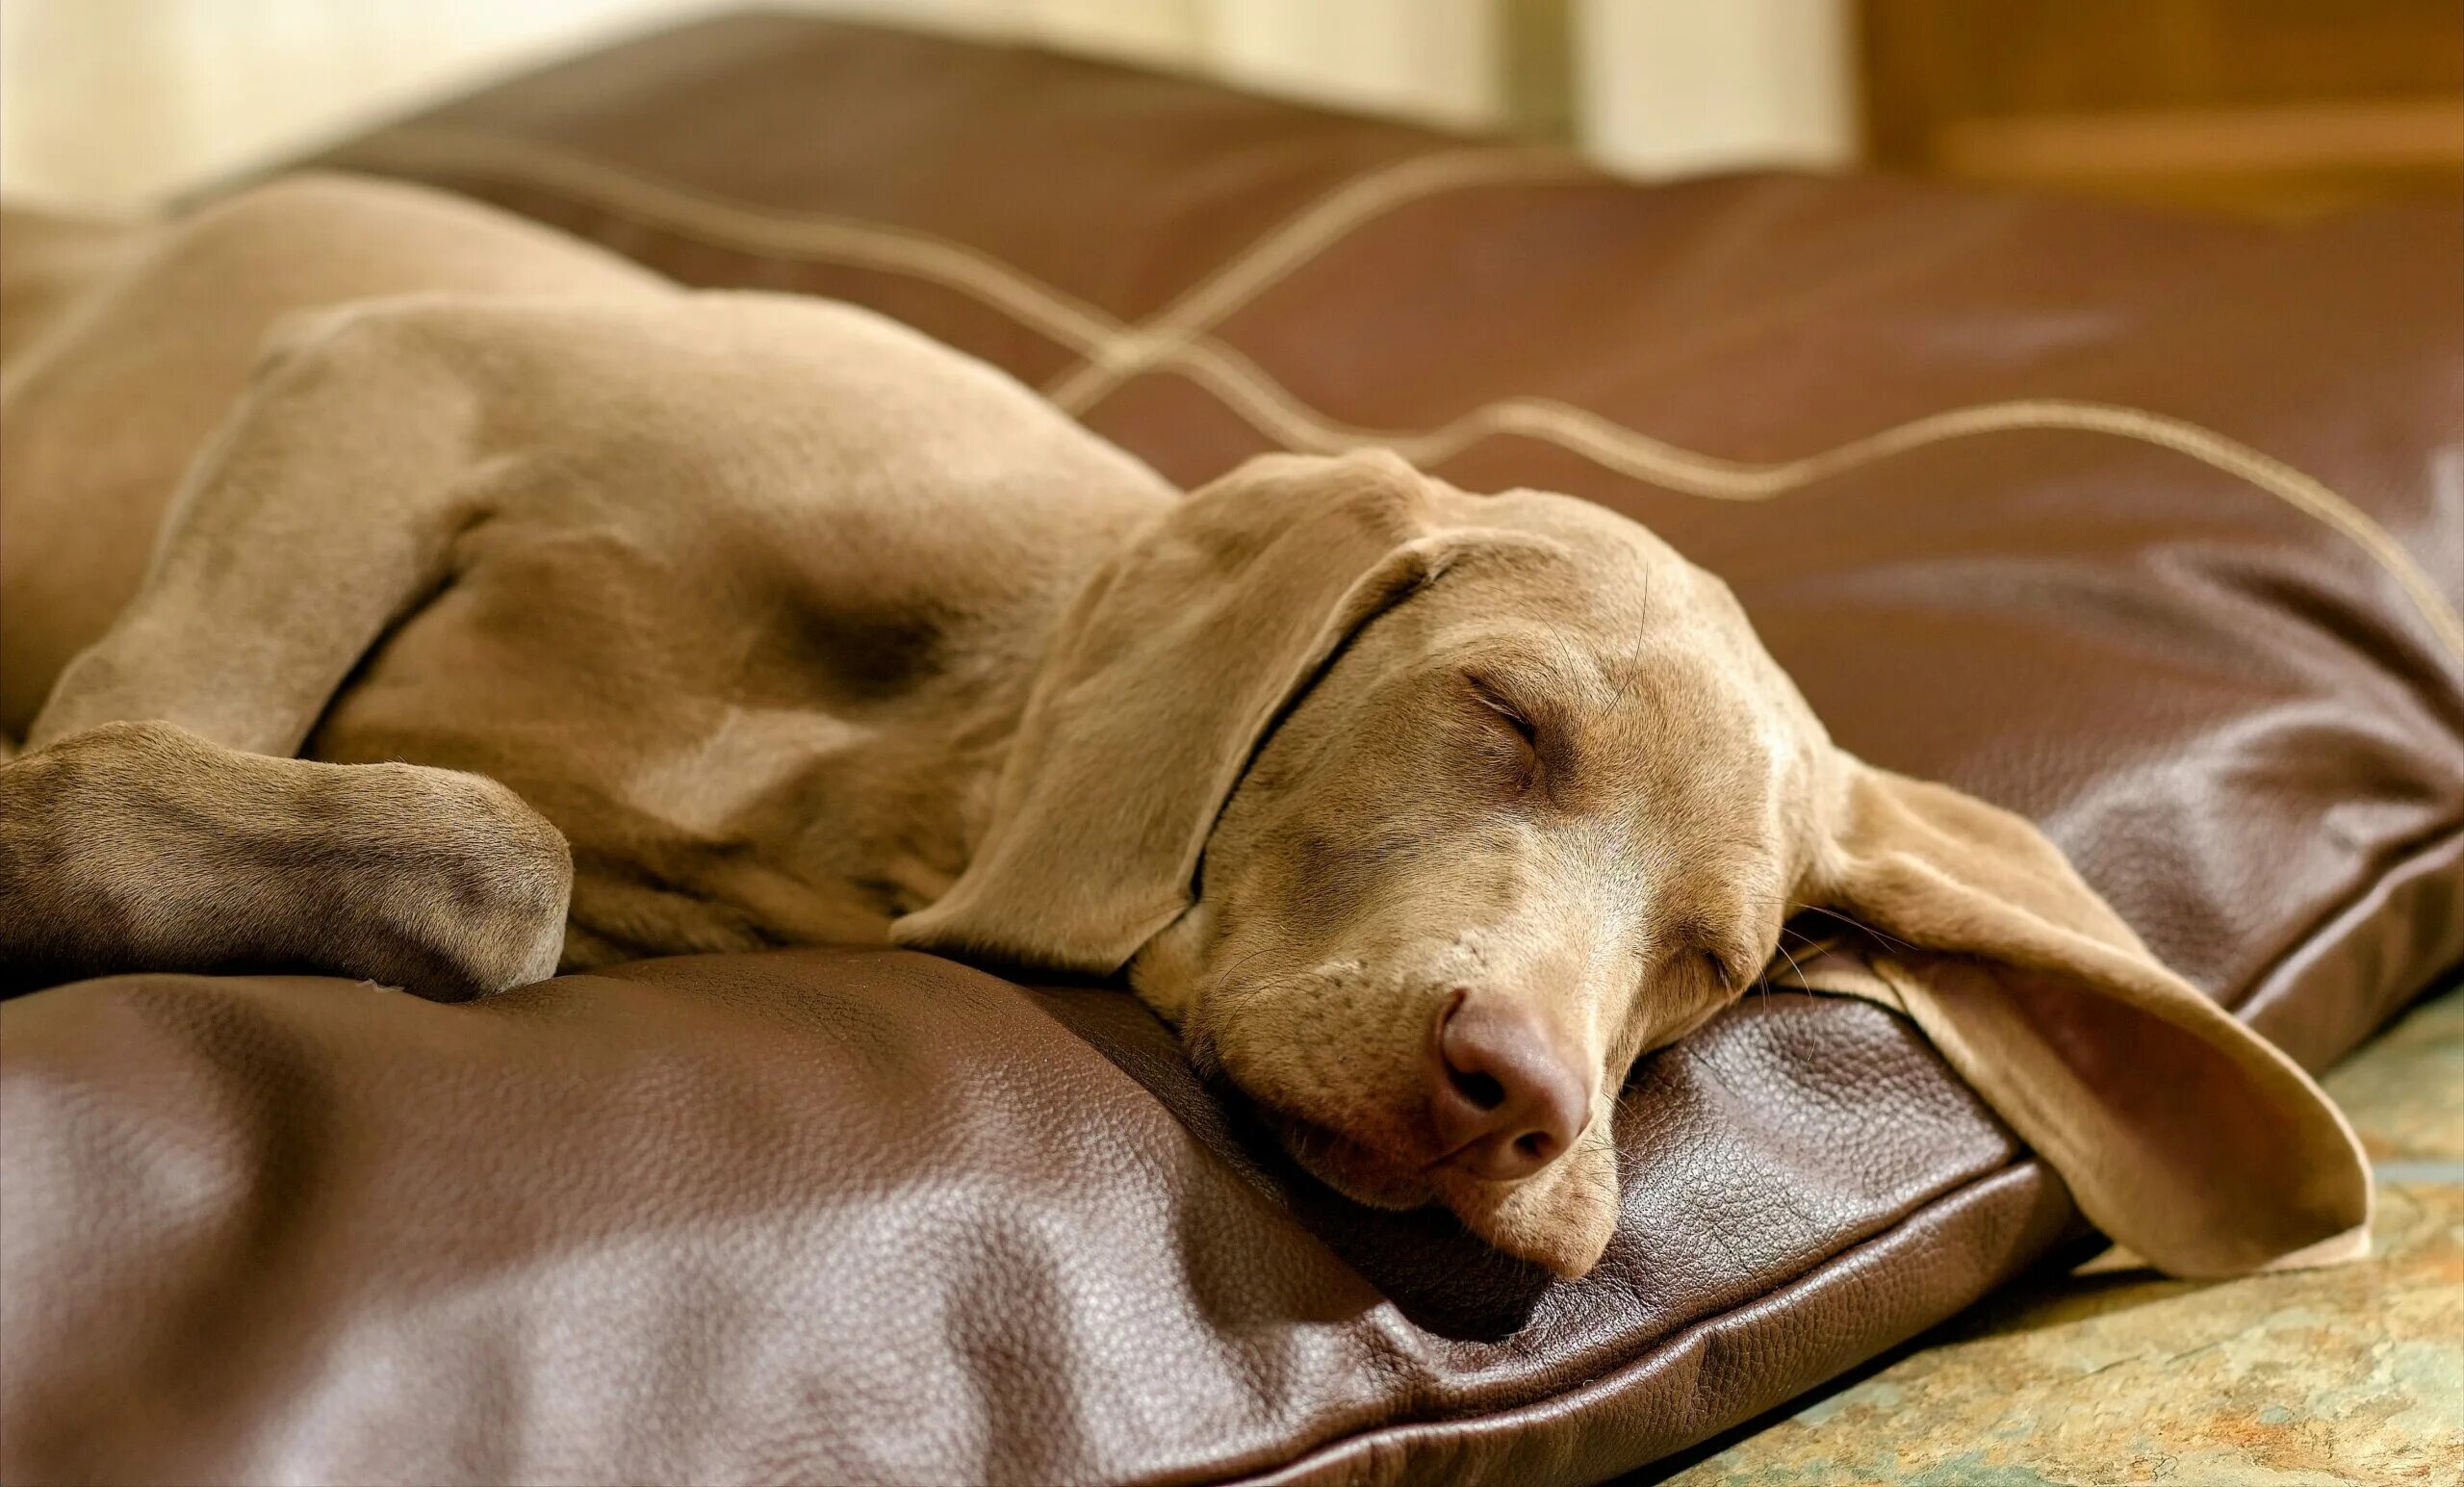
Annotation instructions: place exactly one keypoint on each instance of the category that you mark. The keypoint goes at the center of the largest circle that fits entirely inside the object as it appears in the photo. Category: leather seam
(2422, 847)
(1329, 1453)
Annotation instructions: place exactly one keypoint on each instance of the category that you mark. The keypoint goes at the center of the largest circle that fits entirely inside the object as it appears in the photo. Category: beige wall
(1665, 88)
(112, 101)
(106, 101)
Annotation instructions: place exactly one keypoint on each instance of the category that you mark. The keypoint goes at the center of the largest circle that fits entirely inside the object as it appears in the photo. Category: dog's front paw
(463, 892)
(140, 846)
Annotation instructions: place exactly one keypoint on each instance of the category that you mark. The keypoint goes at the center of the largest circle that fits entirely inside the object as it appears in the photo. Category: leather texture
(2152, 529)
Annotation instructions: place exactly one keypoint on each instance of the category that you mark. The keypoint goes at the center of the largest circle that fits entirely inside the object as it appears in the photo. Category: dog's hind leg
(158, 821)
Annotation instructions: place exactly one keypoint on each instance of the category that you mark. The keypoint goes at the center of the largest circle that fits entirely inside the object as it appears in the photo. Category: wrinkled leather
(846, 1216)
(836, 1217)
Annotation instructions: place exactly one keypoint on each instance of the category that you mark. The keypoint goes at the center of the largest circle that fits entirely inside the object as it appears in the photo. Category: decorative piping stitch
(812, 236)
(1275, 256)
(1174, 340)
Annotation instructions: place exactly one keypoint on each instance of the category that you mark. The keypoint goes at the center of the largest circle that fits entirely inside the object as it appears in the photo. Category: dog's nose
(1507, 1101)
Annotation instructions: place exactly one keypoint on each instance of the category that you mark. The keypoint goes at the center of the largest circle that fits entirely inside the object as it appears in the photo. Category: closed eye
(1524, 768)
(1723, 975)
(1520, 725)
(1512, 714)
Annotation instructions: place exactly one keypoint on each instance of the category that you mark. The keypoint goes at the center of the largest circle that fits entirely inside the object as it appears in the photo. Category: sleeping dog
(399, 590)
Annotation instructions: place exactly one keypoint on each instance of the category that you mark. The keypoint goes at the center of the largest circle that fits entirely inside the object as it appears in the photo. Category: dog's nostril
(1535, 1145)
(1482, 1090)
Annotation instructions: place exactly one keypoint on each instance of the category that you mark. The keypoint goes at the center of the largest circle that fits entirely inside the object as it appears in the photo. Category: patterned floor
(2318, 1378)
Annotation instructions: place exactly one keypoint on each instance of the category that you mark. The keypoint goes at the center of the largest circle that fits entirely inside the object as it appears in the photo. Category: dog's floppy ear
(2182, 1134)
(1158, 686)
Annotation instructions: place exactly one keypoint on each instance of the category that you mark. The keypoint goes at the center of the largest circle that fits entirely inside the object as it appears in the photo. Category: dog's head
(1422, 816)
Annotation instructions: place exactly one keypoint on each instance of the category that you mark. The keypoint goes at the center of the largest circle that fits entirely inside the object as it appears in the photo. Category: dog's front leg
(140, 846)
(324, 510)
(157, 819)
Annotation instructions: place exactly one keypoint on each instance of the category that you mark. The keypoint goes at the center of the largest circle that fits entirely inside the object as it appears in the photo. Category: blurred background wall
(2281, 106)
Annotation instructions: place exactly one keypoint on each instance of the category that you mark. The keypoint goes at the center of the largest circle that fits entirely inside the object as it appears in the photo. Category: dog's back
(742, 589)
(130, 344)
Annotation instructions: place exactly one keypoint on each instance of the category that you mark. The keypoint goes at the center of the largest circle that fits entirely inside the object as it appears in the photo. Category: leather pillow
(2151, 529)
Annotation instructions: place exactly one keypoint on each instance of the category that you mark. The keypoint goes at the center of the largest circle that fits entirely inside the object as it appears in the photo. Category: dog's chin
(1560, 1217)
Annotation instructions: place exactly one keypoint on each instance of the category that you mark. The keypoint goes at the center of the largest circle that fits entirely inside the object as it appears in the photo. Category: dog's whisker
(1766, 982)
(1863, 927)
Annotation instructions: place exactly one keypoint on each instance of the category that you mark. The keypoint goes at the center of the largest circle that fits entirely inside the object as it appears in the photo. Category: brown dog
(518, 609)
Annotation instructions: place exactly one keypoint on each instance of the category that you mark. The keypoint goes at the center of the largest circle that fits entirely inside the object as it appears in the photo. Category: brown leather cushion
(2152, 529)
